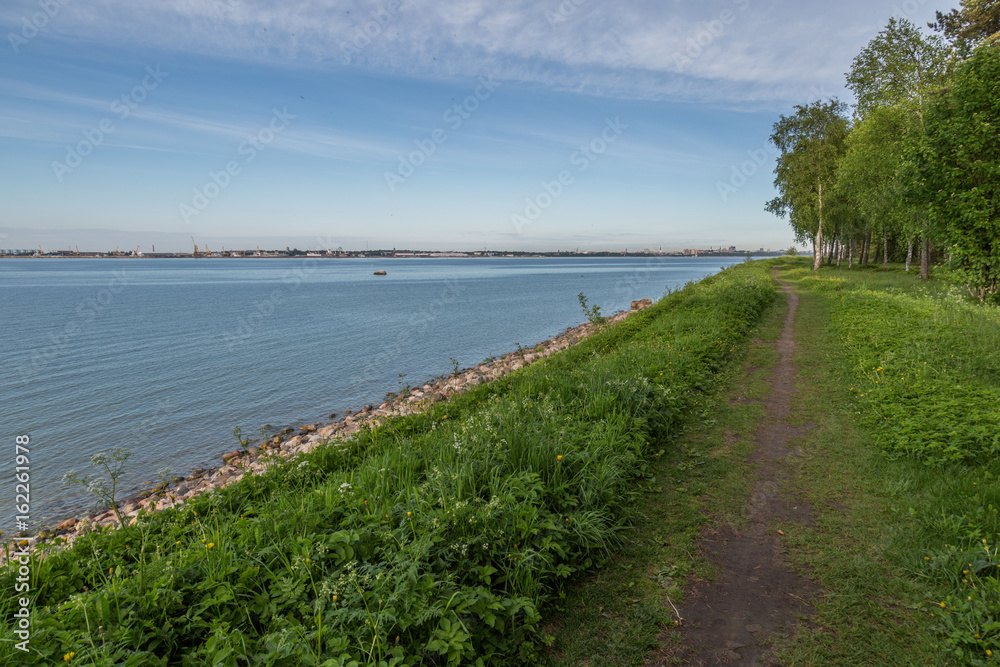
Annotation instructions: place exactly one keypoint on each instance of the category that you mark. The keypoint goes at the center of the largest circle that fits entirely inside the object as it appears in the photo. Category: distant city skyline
(409, 123)
(62, 240)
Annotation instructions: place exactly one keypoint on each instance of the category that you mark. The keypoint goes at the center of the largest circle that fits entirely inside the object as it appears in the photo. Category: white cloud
(765, 48)
(72, 113)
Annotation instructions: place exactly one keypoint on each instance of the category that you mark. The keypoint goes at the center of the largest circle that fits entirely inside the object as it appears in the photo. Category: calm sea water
(167, 356)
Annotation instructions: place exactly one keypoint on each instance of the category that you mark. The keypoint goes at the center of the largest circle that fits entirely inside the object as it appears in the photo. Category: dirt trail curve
(756, 597)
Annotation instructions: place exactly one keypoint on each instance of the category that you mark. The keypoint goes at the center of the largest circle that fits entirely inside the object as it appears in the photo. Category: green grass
(440, 538)
(550, 516)
(622, 613)
(900, 477)
(901, 482)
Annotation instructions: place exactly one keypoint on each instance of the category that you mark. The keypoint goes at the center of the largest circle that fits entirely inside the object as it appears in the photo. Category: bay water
(166, 356)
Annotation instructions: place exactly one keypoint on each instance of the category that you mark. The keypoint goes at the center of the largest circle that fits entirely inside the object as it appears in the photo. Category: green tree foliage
(977, 21)
(957, 171)
(869, 176)
(897, 68)
(810, 142)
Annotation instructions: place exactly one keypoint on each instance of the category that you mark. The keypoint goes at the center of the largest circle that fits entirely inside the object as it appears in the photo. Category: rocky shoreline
(292, 442)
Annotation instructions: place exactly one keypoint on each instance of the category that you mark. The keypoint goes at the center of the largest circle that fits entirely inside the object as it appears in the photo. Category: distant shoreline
(389, 254)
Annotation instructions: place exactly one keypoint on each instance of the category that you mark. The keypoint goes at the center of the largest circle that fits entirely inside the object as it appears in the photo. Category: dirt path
(756, 597)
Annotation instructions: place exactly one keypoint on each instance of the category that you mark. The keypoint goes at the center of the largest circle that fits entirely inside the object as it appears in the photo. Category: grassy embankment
(439, 538)
(900, 383)
(903, 382)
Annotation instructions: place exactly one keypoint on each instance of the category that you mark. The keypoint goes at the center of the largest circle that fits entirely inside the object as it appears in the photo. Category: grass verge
(898, 382)
(439, 538)
(619, 615)
(899, 470)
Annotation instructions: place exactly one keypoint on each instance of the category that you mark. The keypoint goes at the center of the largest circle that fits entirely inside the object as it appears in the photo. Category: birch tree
(810, 142)
(869, 175)
(900, 69)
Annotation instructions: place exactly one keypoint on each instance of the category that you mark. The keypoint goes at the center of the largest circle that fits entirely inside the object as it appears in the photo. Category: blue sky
(447, 124)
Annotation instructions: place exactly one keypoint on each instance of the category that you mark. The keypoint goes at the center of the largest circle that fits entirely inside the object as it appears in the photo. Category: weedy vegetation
(436, 539)
(907, 448)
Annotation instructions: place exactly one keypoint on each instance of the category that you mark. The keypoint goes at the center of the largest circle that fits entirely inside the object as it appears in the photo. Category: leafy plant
(956, 172)
(925, 382)
(104, 487)
(437, 538)
(245, 442)
(592, 313)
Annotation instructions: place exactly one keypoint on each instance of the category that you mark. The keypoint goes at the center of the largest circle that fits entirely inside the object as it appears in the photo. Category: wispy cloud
(626, 49)
(64, 114)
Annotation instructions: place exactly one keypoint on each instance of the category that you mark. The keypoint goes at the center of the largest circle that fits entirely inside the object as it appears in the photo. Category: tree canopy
(897, 68)
(975, 22)
(957, 171)
(921, 159)
(809, 143)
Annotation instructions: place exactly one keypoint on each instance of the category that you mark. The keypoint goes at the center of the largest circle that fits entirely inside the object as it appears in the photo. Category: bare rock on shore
(237, 464)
